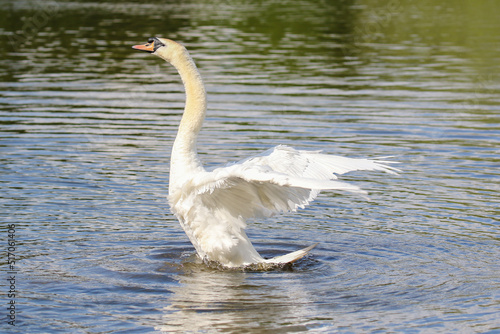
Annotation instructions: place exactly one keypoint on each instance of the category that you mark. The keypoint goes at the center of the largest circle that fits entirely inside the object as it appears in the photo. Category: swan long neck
(184, 152)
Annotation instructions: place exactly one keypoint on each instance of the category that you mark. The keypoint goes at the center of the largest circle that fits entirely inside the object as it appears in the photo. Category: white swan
(212, 206)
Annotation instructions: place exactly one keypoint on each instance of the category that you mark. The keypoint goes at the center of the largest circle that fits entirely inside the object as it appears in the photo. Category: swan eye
(156, 43)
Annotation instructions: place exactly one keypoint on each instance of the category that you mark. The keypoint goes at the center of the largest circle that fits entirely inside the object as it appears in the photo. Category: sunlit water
(86, 129)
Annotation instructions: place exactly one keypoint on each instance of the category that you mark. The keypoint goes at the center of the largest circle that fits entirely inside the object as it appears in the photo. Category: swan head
(162, 47)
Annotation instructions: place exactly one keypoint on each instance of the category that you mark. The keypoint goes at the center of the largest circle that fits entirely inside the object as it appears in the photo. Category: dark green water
(86, 126)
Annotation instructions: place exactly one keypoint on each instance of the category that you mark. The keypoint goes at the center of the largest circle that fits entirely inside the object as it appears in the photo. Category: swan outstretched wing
(314, 164)
(278, 180)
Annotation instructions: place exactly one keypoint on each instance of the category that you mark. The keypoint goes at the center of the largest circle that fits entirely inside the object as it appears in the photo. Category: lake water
(87, 123)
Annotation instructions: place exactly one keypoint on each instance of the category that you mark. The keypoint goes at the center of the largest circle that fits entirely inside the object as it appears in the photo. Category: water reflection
(208, 299)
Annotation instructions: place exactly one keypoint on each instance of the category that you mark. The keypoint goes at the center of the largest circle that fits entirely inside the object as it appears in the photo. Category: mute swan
(212, 206)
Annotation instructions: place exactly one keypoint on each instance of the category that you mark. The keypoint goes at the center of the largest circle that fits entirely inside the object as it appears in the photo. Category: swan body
(213, 206)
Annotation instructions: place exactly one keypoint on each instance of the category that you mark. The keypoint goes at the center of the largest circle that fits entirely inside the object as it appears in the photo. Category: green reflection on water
(346, 31)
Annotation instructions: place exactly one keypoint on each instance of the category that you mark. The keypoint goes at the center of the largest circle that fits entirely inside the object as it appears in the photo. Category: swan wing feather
(315, 164)
(278, 180)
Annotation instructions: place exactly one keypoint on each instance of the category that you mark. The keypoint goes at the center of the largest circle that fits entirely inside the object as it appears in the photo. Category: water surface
(86, 126)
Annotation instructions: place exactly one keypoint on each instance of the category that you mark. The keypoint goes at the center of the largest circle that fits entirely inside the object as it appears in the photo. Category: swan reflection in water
(208, 299)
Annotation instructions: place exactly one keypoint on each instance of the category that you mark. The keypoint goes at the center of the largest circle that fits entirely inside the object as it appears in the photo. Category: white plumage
(213, 206)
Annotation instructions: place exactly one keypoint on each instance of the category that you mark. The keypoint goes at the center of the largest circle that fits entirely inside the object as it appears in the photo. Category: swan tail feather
(291, 257)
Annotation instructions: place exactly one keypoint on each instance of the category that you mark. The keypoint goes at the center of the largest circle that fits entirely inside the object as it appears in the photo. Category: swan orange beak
(149, 47)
